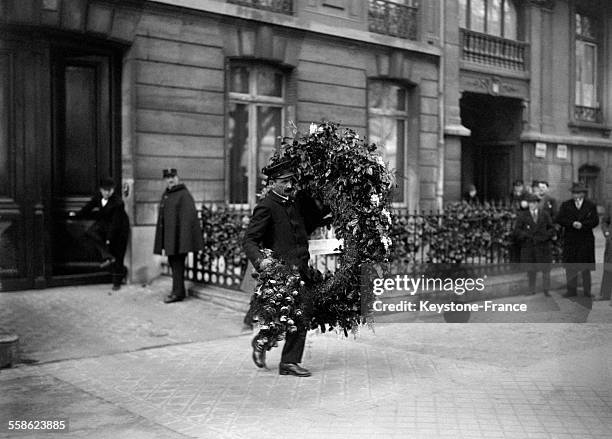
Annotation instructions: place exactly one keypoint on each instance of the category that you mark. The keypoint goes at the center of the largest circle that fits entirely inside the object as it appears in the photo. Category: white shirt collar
(281, 196)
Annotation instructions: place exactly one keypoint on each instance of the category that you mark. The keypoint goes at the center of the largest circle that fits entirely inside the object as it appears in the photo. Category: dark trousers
(116, 250)
(294, 346)
(531, 277)
(177, 264)
(571, 275)
(97, 236)
(606, 285)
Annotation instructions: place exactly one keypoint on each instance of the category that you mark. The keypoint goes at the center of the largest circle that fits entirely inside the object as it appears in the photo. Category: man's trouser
(177, 264)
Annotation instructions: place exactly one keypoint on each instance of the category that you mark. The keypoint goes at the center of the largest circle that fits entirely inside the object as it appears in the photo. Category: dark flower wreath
(350, 177)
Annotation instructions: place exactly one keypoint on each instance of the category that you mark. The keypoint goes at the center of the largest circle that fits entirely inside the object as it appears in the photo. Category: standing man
(534, 229)
(282, 222)
(178, 231)
(547, 202)
(606, 281)
(109, 233)
(578, 217)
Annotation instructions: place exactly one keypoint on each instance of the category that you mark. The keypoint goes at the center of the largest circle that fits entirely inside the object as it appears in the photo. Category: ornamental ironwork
(280, 6)
(394, 19)
(588, 114)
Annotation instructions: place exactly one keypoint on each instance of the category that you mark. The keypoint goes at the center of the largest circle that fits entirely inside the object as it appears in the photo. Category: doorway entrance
(59, 134)
(491, 157)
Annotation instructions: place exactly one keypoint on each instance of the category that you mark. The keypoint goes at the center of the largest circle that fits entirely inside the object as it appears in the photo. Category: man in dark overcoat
(606, 281)
(578, 217)
(547, 201)
(110, 230)
(282, 222)
(534, 230)
(178, 231)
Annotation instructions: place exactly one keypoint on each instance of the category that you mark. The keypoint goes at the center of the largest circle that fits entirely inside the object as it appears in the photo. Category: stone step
(231, 299)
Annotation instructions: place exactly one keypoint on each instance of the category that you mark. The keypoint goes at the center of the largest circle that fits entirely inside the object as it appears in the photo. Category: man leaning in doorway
(109, 233)
(578, 217)
(178, 231)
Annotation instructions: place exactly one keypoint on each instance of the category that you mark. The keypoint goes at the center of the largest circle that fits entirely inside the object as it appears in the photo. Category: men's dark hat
(517, 183)
(170, 172)
(107, 183)
(283, 168)
(579, 187)
(532, 198)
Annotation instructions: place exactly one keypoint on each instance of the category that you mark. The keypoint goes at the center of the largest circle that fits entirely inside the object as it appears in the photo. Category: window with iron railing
(280, 6)
(395, 18)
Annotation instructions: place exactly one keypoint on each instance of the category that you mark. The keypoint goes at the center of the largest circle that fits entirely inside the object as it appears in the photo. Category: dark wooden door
(13, 199)
(493, 165)
(82, 154)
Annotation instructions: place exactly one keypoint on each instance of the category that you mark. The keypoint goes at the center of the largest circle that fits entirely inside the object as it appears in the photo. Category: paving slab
(402, 380)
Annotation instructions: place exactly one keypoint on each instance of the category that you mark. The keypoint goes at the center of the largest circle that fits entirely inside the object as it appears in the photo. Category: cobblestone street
(105, 367)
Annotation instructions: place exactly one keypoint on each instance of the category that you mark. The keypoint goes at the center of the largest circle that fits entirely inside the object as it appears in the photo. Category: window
(387, 127)
(586, 62)
(589, 176)
(256, 107)
(493, 17)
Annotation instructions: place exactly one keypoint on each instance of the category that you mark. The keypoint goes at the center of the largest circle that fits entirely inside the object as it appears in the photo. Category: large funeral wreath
(349, 176)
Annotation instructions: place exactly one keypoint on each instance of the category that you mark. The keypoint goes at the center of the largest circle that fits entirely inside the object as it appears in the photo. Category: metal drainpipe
(441, 149)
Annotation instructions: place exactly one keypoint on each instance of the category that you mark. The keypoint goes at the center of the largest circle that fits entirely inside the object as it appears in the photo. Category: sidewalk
(111, 374)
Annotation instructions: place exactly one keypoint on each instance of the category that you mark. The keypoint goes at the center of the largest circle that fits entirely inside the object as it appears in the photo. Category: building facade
(455, 92)
(528, 96)
(91, 88)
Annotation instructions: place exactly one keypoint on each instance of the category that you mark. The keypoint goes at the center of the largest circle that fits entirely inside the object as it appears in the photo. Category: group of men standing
(539, 223)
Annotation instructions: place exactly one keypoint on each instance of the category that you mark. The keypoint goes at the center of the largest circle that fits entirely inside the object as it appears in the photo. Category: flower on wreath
(375, 200)
(387, 215)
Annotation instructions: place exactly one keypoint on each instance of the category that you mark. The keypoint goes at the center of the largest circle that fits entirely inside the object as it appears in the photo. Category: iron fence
(464, 238)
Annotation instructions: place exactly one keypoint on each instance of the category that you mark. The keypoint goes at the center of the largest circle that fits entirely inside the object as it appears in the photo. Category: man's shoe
(107, 262)
(259, 354)
(172, 298)
(570, 294)
(116, 287)
(293, 369)
(546, 293)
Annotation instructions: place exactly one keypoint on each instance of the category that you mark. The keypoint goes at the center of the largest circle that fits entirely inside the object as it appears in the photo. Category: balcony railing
(493, 51)
(280, 6)
(395, 19)
(588, 114)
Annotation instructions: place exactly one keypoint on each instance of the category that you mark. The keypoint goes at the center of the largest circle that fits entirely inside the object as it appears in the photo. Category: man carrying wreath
(282, 222)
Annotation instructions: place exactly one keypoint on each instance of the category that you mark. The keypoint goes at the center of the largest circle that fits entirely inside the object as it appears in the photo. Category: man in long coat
(178, 231)
(534, 231)
(578, 217)
(282, 222)
(109, 233)
(606, 281)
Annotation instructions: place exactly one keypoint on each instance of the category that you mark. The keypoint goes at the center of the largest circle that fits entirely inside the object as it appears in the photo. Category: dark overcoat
(606, 229)
(534, 237)
(549, 204)
(282, 226)
(578, 244)
(111, 222)
(178, 227)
